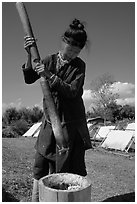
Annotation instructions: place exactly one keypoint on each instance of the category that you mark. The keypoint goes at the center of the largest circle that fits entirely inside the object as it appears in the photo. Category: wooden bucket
(64, 187)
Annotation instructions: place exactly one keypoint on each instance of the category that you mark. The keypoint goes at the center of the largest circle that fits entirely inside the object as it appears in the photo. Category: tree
(36, 114)
(20, 127)
(25, 114)
(128, 112)
(16, 122)
(10, 115)
(102, 92)
(114, 110)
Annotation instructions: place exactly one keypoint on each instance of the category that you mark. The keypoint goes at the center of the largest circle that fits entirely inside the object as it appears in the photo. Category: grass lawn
(112, 176)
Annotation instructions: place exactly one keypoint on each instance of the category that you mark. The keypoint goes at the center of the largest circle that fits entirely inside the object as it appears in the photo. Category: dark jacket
(67, 90)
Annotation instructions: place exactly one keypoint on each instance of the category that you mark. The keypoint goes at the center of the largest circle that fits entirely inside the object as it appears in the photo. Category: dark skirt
(46, 151)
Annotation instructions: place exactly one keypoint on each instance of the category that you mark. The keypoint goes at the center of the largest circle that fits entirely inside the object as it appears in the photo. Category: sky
(111, 32)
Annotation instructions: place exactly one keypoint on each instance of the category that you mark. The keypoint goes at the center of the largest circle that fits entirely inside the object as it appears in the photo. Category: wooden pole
(61, 147)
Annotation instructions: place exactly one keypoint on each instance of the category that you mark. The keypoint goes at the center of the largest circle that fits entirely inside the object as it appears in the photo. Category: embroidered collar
(60, 61)
(61, 58)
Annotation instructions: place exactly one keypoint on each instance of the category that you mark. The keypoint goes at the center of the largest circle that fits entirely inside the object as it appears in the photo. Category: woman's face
(69, 52)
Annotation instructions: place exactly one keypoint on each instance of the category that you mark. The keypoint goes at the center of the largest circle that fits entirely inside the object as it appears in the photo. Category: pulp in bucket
(65, 181)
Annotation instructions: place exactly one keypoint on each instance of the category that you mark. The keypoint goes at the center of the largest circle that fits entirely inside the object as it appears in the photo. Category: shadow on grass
(128, 197)
(7, 197)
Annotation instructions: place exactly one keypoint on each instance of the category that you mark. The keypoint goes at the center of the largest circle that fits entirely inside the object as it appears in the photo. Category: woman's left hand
(40, 69)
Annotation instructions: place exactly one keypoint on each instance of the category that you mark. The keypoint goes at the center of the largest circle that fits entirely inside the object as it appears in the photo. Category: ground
(112, 175)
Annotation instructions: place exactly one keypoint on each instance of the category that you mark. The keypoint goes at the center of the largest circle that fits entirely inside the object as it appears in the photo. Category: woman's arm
(30, 76)
(72, 89)
(32, 73)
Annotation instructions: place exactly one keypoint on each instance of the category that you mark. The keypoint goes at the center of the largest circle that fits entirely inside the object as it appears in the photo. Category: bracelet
(53, 75)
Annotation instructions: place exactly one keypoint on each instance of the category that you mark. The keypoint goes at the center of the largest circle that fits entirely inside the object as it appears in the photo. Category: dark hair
(75, 34)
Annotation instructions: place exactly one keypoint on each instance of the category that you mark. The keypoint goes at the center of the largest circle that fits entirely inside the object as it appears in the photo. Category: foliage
(105, 79)
(121, 125)
(20, 127)
(10, 115)
(25, 114)
(36, 114)
(9, 132)
(31, 115)
(101, 90)
(128, 112)
(114, 112)
(16, 122)
(105, 104)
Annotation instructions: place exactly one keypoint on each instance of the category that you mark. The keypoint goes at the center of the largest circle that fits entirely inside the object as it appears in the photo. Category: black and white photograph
(68, 101)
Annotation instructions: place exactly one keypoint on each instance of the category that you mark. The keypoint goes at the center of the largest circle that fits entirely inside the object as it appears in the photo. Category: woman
(65, 73)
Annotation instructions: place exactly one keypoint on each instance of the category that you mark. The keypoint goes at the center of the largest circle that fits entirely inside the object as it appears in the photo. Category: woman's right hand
(28, 43)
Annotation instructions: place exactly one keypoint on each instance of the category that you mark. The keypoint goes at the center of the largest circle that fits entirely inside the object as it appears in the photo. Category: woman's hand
(28, 43)
(41, 70)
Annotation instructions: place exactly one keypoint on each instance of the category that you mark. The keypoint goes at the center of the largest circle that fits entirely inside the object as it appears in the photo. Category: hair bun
(77, 25)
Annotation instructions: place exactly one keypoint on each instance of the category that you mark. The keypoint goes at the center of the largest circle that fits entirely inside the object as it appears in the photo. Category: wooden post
(61, 148)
